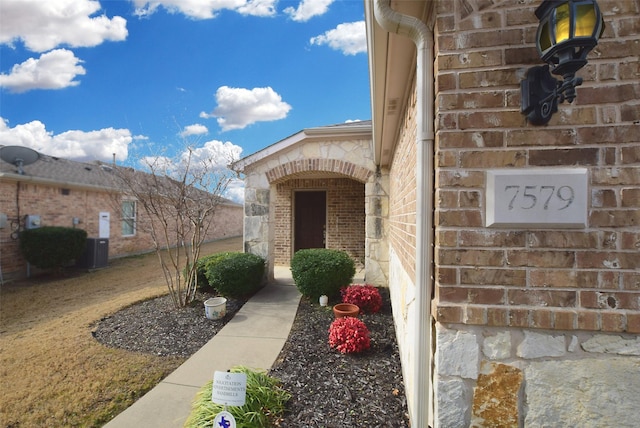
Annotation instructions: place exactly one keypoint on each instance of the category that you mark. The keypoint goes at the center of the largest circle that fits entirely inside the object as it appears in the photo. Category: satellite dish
(18, 156)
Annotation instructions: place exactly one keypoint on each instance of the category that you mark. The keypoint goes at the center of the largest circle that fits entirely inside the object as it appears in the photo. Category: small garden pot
(215, 308)
(345, 310)
(324, 300)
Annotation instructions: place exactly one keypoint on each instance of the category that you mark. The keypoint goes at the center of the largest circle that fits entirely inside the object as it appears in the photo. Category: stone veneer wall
(535, 327)
(488, 376)
(377, 228)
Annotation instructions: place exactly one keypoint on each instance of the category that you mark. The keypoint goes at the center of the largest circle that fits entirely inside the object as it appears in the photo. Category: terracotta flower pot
(345, 310)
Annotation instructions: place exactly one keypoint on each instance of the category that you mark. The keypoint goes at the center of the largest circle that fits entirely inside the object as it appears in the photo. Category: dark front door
(310, 216)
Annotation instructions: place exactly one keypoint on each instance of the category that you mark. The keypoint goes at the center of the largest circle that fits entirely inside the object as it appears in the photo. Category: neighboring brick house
(76, 194)
(523, 324)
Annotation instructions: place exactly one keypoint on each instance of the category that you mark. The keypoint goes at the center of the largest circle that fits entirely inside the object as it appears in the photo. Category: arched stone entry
(318, 165)
(340, 165)
(343, 184)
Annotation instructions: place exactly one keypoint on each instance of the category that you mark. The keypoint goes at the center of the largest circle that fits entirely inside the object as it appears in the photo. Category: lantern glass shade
(563, 23)
(586, 22)
(568, 30)
(544, 38)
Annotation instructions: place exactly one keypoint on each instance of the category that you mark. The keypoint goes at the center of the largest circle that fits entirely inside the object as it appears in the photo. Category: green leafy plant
(51, 247)
(349, 335)
(265, 401)
(201, 270)
(321, 271)
(366, 297)
(235, 274)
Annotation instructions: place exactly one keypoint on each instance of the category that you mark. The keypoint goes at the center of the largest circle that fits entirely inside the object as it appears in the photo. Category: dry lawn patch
(52, 371)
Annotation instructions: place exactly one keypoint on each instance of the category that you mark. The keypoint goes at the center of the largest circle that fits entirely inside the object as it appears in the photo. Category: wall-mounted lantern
(568, 30)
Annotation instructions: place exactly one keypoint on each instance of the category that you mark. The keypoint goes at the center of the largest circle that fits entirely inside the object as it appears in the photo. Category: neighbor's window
(128, 218)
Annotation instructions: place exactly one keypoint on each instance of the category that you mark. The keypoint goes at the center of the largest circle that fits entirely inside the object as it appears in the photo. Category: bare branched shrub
(179, 197)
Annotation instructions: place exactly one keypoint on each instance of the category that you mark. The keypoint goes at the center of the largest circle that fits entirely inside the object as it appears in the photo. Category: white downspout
(417, 31)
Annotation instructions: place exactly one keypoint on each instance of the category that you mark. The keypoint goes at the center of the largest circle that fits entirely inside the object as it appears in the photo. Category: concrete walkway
(252, 338)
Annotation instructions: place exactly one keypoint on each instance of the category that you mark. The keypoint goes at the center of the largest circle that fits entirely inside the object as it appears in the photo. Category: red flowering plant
(366, 297)
(349, 335)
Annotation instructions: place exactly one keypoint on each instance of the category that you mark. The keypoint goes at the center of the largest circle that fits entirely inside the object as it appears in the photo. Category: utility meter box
(3, 220)
(31, 221)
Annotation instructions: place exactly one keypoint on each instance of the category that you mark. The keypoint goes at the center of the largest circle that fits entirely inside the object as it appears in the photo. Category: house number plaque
(537, 198)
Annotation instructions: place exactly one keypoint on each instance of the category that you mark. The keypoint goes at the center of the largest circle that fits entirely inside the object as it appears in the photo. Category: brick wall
(58, 208)
(586, 279)
(283, 217)
(345, 216)
(402, 193)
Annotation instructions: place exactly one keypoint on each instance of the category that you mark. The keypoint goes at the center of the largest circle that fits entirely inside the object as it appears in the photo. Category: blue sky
(83, 79)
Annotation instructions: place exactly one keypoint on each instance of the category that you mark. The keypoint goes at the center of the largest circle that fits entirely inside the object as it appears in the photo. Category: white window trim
(133, 219)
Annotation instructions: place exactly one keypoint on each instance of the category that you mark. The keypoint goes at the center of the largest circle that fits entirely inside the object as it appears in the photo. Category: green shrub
(235, 274)
(201, 270)
(265, 401)
(321, 271)
(52, 247)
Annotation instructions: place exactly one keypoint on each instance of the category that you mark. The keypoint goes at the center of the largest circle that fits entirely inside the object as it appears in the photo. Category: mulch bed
(156, 327)
(328, 389)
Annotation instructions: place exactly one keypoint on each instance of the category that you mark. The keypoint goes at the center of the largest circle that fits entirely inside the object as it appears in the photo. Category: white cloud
(235, 190)
(238, 107)
(206, 9)
(215, 153)
(53, 70)
(350, 38)
(212, 158)
(258, 8)
(44, 25)
(307, 9)
(157, 164)
(75, 145)
(195, 129)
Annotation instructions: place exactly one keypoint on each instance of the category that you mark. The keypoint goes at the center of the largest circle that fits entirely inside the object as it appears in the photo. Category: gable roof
(342, 130)
(65, 173)
(61, 172)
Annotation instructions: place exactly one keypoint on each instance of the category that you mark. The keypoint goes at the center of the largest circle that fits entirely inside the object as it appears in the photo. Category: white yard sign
(229, 389)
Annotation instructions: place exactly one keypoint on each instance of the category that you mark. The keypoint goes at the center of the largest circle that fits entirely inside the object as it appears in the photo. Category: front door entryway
(310, 219)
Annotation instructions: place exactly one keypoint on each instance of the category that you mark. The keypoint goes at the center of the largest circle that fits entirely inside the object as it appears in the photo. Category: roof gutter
(420, 34)
(19, 178)
(23, 178)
